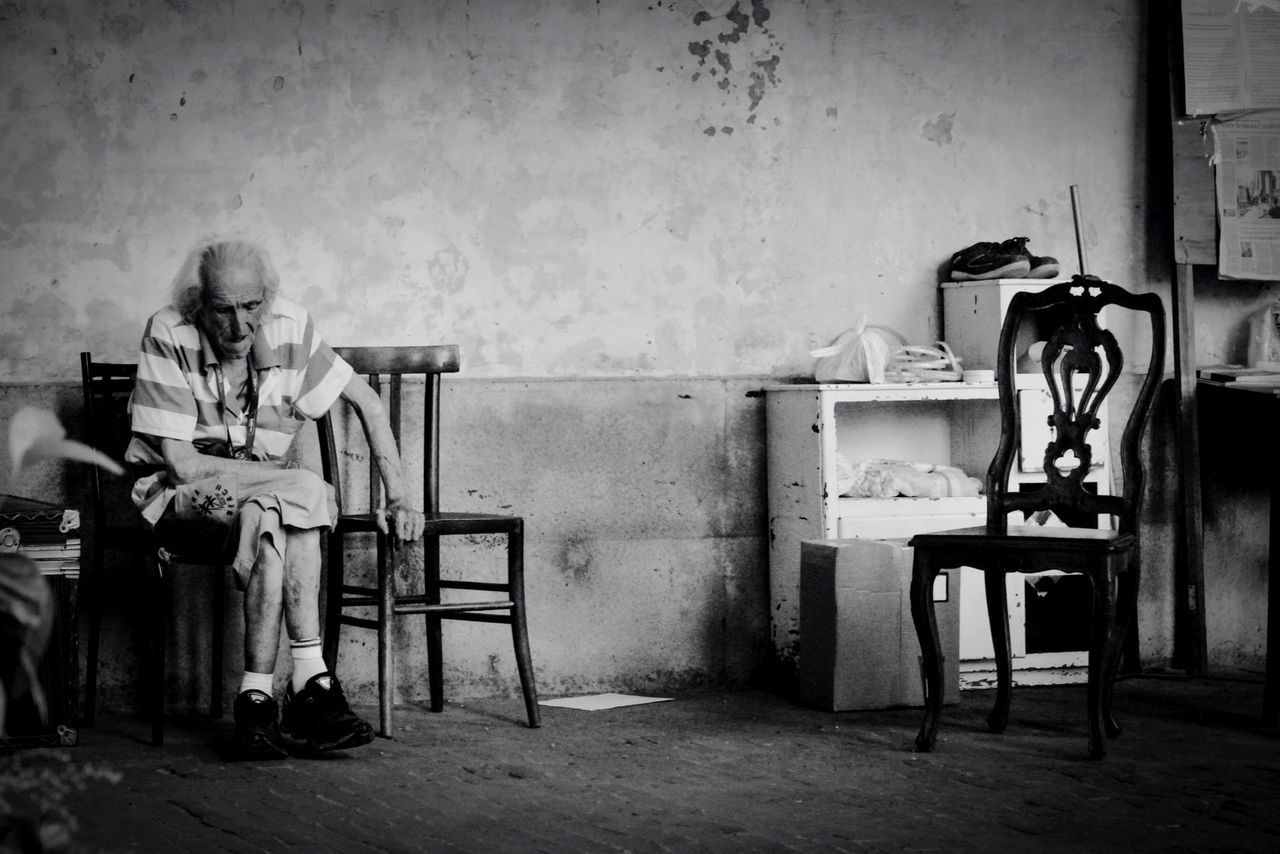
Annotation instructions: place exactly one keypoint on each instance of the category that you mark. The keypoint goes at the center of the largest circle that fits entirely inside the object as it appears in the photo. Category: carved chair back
(1081, 363)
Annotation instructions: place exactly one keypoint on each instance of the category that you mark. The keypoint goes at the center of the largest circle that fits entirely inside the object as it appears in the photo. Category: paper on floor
(596, 702)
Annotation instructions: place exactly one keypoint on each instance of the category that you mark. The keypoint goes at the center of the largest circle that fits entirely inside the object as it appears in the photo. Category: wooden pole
(1078, 215)
(1193, 646)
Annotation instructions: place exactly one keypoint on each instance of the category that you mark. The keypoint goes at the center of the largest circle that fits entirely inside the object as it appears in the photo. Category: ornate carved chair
(1081, 363)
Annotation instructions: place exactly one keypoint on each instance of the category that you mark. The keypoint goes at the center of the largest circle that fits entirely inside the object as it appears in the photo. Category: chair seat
(130, 539)
(437, 524)
(1028, 538)
(193, 542)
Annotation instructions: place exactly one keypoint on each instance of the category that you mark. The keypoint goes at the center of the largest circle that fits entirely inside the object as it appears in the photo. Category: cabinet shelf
(851, 507)
(872, 392)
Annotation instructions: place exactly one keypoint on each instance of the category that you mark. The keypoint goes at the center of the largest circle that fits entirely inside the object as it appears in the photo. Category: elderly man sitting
(226, 375)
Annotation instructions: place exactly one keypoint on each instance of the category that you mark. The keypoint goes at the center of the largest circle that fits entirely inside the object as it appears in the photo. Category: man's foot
(257, 733)
(320, 716)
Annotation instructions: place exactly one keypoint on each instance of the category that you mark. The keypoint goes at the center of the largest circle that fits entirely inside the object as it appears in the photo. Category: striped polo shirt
(176, 393)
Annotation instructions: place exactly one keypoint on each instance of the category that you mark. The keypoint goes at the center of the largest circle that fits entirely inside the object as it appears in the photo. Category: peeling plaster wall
(562, 188)
(655, 192)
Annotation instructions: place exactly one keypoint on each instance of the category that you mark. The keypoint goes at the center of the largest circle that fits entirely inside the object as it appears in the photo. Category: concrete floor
(713, 771)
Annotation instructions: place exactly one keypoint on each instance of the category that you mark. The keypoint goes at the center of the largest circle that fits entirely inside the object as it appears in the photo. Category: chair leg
(998, 617)
(1103, 645)
(159, 632)
(93, 598)
(519, 627)
(434, 625)
(386, 616)
(219, 621)
(334, 576)
(1124, 628)
(922, 615)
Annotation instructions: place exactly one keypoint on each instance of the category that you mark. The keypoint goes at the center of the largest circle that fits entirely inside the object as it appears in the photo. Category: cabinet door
(975, 627)
(899, 526)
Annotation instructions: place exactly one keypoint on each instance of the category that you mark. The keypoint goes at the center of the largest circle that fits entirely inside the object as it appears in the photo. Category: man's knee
(307, 482)
(268, 563)
(303, 488)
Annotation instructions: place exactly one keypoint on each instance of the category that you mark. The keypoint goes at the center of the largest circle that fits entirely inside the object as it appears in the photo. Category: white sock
(307, 661)
(264, 682)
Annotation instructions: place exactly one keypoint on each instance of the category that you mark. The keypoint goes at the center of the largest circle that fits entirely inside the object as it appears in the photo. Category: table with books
(49, 536)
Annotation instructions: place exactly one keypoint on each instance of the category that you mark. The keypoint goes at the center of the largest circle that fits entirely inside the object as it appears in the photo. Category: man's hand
(401, 520)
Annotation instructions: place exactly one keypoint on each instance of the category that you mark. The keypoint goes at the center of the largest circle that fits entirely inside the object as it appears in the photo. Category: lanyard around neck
(250, 409)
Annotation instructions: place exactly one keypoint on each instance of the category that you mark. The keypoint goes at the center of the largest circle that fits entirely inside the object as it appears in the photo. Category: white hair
(208, 261)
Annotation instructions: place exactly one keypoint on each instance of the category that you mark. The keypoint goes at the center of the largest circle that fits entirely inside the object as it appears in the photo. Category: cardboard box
(858, 645)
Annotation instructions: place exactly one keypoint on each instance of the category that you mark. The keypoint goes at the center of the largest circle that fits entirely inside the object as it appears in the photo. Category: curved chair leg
(1123, 625)
(923, 573)
(1103, 645)
(998, 617)
(519, 628)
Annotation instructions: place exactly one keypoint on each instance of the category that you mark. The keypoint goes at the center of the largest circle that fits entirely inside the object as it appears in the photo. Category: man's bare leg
(256, 711)
(302, 604)
(315, 707)
(264, 602)
(301, 587)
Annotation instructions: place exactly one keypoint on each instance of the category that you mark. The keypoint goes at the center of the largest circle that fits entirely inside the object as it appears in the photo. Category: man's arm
(186, 464)
(406, 522)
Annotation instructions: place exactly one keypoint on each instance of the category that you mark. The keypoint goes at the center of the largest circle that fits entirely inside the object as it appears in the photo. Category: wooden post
(1190, 625)
(1078, 216)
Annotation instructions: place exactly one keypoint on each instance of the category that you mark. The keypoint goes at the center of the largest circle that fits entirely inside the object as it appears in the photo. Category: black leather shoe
(320, 716)
(257, 733)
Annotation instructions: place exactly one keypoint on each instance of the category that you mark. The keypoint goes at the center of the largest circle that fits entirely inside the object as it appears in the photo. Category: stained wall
(628, 215)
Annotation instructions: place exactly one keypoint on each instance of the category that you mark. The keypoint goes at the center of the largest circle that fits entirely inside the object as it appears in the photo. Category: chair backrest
(390, 366)
(1081, 362)
(107, 387)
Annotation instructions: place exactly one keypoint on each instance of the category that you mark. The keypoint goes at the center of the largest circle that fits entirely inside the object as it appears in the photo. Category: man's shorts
(287, 498)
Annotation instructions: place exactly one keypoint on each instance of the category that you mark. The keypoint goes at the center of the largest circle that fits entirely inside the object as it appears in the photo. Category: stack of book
(43, 532)
(1239, 375)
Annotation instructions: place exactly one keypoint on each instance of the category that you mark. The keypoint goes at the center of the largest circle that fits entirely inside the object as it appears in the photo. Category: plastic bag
(923, 364)
(1264, 337)
(860, 354)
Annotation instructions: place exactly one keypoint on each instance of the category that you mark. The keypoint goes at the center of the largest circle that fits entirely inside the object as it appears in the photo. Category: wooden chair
(506, 604)
(117, 526)
(1078, 351)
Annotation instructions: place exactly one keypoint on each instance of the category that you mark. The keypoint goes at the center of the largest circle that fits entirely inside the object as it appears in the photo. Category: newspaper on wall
(1247, 157)
(1230, 55)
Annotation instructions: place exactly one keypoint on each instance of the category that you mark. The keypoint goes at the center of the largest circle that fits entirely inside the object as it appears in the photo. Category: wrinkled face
(233, 306)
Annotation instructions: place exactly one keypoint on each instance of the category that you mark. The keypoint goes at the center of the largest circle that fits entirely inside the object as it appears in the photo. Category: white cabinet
(944, 423)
